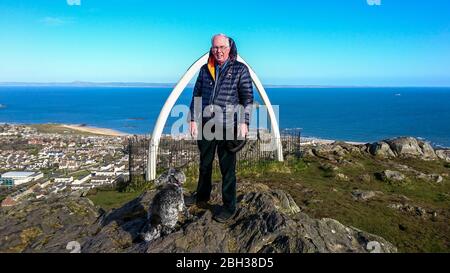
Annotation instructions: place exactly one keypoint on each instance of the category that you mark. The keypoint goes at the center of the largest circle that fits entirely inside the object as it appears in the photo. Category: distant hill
(91, 84)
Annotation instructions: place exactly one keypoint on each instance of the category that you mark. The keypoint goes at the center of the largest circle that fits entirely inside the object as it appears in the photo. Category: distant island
(90, 84)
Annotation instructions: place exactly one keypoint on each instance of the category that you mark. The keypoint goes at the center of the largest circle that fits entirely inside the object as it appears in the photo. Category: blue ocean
(349, 114)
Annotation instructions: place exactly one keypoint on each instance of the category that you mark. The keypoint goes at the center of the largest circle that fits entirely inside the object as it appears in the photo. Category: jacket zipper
(211, 101)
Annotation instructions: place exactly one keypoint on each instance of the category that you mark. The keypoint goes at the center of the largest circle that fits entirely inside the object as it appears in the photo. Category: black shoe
(224, 215)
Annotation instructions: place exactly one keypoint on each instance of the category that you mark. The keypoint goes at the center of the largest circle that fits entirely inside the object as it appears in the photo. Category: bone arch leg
(176, 92)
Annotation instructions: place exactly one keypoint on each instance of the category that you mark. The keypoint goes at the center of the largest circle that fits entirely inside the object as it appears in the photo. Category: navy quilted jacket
(233, 87)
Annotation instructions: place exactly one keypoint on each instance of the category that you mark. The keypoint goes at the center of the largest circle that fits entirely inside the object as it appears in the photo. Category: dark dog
(168, 203)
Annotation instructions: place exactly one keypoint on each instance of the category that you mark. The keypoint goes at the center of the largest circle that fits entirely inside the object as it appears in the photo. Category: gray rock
(348, 148)
(363, 195)
(392, 176)
(341, 177)
(430, 177)
(437, 178)
(308, 152)
(427, 177)
(47, 225)
(414, 210)
(443, 154)
(381, 149)
(267, 224)
(405, 146)
(411, 147)
(427, 151)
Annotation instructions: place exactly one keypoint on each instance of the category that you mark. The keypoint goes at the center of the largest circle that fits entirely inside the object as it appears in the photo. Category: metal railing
(183, 152)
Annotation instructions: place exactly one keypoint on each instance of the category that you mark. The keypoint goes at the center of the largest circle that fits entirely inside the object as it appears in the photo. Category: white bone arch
(176, 92)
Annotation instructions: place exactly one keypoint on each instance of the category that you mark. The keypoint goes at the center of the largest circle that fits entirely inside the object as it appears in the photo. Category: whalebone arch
(175, 94)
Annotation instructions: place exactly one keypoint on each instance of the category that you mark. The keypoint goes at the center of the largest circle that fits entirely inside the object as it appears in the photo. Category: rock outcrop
(381, 148)
(403, 147)
(361, 195)
(47, 225)
(443, 154)
(266, 221)
(391, 176)
(414, 210)
(400, 147)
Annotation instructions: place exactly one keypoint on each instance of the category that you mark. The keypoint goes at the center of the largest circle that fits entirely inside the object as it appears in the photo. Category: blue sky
(322, 42)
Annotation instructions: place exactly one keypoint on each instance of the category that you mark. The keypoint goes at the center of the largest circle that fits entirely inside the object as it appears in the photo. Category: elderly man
(221, 83)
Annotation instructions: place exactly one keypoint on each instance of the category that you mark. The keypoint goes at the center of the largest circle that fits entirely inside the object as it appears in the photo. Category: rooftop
(17, 174)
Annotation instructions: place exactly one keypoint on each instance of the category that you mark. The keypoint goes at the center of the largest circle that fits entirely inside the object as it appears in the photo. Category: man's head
(220, 48)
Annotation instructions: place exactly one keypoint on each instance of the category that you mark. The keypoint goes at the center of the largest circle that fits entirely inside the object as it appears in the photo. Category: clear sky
(323, 42)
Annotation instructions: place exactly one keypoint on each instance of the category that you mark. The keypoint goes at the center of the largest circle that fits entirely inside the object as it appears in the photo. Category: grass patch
(112, 199)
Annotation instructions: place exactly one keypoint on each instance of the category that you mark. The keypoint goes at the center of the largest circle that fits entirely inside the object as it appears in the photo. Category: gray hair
(220, 35)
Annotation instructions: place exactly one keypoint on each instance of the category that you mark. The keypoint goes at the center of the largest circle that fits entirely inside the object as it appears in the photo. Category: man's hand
(243, 129)
(193, 129)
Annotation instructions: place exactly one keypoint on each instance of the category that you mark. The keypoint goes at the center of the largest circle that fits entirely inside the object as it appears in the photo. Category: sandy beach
(94, 130)
(313, 140)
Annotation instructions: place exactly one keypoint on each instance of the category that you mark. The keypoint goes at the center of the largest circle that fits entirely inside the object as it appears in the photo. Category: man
(221, 83)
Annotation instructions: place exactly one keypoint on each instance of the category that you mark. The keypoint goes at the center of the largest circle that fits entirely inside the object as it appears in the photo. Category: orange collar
(212, 67)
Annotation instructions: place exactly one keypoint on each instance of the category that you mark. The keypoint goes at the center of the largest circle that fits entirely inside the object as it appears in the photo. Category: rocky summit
(331, 197)
(267, 221)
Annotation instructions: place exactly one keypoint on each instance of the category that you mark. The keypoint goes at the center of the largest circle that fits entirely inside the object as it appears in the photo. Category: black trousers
(227, 162)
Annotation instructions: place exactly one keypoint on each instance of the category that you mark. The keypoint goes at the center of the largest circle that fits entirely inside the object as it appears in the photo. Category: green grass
(316, 190)
(112, 199)
(374, 216)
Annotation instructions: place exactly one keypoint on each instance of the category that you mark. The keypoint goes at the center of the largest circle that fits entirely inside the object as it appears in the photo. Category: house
(8, 202)
(82, 180)
(103, 173)
(101, 180)
(21, 177)
(63, 179)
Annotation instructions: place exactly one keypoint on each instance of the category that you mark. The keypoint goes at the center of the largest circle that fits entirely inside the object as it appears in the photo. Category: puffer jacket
(233, 87)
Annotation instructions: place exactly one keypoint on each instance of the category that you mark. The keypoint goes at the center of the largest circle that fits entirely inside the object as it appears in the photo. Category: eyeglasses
(216, 48)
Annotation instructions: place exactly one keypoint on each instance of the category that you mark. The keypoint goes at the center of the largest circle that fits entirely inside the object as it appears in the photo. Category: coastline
(76, 127)
(94, 130)
(83, 128)
(315, 140)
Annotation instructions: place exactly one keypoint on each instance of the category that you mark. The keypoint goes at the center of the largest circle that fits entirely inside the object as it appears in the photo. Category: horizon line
(171, 84)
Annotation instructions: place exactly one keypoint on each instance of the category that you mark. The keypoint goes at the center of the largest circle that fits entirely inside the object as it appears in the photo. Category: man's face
(220, 49)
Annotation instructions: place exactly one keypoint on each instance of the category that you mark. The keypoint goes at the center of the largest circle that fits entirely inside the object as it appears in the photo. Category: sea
(360, 114)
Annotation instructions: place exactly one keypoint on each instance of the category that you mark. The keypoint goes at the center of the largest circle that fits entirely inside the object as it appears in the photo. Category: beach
(314, 140)
(56, 128)
(73, 128)
(94, 130)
